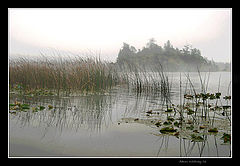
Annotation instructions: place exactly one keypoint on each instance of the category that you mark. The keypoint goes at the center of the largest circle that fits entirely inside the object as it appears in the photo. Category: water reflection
(91, 112)
(210, 146)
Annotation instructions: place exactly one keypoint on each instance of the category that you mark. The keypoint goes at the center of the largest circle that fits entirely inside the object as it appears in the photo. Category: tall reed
(147, 80)
(61, 74)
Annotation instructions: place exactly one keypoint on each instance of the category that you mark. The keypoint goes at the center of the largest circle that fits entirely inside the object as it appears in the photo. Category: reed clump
(147, 80)
(60, 75)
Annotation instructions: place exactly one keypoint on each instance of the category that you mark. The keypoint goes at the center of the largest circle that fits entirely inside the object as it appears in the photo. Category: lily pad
(169, 110)
(218, 95)
(50, 107)
(226, 106)
(212, 97)
(202, 127)
(35, 109)
(41, 108)
(158, 124)
(11, 105)
(168, 130)
(176, 134)
(227, 97)
(204, 96)
(214, 130)
(190, 111)
(149, 112)
(167, 123)
(226, 138)
(25, 106)
(136, 119)
(196, 138)
(195, 131)
(170, 118)
(176, 124)
(191, 127)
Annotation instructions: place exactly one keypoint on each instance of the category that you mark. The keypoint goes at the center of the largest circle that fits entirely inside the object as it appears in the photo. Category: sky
(102, 31)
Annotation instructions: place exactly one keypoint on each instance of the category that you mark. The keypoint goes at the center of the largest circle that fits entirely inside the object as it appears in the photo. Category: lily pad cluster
(166, 130)
(226, 138)
(194, 119)
(22, 90)
(196, 138)
(206, 96)
(18, 106)
(213, 130)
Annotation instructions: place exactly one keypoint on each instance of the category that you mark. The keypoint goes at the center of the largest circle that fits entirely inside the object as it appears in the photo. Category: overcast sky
(103, 31)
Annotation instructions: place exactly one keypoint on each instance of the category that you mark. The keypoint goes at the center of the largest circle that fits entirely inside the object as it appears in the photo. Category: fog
(102, 31)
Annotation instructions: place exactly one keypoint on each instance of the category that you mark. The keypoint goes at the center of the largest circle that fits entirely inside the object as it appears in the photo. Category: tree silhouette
(171, 58)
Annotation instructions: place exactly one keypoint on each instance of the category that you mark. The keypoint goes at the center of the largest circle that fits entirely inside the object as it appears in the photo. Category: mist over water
(104, 30)
(120, 82)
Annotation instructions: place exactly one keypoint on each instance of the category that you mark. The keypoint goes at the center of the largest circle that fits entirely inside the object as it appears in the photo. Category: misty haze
(120, 82)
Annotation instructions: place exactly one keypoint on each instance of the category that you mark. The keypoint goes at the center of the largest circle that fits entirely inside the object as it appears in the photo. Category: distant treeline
(170, 58)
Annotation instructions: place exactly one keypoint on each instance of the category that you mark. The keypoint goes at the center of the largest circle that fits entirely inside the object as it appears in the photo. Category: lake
(114, 123)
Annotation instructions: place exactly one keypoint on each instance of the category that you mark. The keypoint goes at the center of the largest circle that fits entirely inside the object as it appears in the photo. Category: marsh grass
(60, 75)
(150, 80)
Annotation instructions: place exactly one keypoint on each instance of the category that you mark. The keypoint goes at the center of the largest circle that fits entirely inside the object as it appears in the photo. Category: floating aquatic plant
(196, 138)
(177, 124)
(197, 96)
(190, 111)
(195, 131)
(149, 112)
(169, 110)
(168, 130)
(227, 97)
(170, 118)
(226, 138)
(18, 106)
(218, 95)
(226, 107)
(41, 108)
(191, 127)
(202, 127)
(158, 124)
(50, 107)
(212, 97)
(35, 109)
(214, 130)
(167, 123)
(136, 119)
(176, 134)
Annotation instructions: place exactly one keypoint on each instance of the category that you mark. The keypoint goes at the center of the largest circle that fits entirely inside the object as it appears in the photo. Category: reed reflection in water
(90, 112)
(210, 146)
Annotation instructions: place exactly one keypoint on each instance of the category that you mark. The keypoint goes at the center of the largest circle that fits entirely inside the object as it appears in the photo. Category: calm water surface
(105, 124)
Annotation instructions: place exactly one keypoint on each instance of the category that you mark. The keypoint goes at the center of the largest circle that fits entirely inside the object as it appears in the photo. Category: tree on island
(172, 59)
